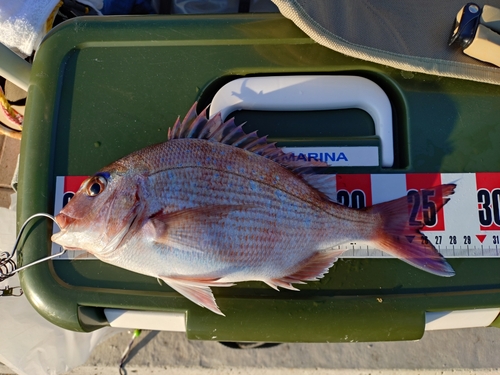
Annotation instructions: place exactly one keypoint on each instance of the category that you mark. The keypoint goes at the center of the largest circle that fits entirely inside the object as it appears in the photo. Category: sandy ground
(463, 351)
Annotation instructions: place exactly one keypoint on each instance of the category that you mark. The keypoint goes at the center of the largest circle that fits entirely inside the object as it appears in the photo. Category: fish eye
(95, 186)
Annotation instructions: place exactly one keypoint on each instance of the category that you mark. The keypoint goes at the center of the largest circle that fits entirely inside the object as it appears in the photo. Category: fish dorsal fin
(227, 132)
(324, 183)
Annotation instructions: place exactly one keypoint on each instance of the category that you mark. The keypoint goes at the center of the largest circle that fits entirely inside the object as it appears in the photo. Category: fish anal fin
(312, 269)
(316, 266)
(395, 231)
(275, 283)
(198, 293)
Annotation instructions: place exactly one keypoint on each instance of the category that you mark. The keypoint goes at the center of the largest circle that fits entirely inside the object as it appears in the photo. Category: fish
(214, 205)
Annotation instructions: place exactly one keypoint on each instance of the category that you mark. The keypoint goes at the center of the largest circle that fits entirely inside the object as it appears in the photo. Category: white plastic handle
(310, 93)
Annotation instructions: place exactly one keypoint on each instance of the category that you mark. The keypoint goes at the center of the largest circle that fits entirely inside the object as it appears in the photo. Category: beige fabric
(404, 34)
(491, 18)
(485, 46)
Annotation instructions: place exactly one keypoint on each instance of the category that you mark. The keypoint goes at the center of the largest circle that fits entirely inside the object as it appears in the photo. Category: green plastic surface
(104, 87)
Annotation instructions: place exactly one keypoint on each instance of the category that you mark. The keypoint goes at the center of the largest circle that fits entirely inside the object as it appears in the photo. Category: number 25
(428, 207)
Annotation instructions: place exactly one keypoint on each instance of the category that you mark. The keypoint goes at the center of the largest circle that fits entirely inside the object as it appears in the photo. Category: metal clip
(464, 31)
(7, 291)
(7, 265)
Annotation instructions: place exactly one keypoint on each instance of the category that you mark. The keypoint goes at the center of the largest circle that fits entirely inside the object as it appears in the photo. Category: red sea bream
(213, 206)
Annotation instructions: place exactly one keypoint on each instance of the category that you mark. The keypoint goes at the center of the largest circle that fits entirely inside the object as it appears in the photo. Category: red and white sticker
(66, 187)
(467, 226)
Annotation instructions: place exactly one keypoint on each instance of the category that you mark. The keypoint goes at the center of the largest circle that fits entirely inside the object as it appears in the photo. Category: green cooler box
(103, 87)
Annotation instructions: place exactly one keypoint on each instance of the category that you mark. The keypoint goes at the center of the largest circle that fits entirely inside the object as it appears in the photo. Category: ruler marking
(461, 214)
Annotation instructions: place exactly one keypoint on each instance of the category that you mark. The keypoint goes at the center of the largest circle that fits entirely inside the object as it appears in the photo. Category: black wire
(125, 354)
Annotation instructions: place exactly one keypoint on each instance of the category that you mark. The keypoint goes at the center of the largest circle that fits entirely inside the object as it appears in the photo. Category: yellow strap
(5, 130)
(50, 20)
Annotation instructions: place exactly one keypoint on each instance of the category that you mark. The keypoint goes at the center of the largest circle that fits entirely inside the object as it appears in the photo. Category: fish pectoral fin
(182, 229)
(196, 290)
(311, 269)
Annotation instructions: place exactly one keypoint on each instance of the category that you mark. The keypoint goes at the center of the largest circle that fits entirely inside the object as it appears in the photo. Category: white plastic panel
(159, 321)
(310, 93)
(460, 319)
(176, 322)
(338, 156)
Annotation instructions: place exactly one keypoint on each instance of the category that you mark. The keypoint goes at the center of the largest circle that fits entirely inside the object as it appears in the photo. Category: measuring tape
(468, 226)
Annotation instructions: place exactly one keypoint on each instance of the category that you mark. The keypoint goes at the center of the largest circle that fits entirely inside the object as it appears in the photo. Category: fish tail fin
(403, 239)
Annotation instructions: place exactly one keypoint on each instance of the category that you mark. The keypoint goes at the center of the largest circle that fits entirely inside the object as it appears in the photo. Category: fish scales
(202, 212)
(292, 227)
(233, 187)
(196, 186)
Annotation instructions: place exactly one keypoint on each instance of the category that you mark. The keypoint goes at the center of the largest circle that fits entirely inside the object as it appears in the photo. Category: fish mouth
(64, 220)
(61, 238)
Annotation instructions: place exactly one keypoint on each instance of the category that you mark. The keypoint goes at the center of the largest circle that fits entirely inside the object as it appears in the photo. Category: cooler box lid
(102, 88)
